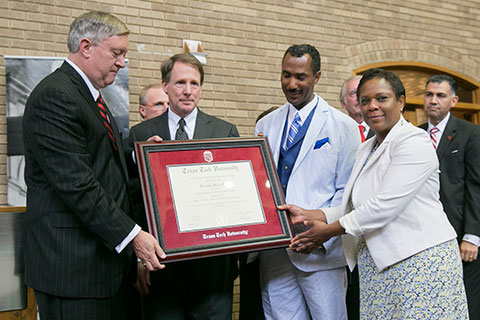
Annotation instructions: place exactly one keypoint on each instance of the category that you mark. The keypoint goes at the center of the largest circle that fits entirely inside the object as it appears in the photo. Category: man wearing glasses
(153, 101)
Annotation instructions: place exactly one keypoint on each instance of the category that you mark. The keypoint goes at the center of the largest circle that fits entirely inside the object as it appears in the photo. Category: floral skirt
(428, 285)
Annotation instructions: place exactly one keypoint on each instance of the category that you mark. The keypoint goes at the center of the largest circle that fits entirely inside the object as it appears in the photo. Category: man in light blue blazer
(314, 147)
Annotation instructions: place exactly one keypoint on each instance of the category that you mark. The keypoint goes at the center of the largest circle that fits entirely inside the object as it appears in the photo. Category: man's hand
(155, 139)
(147, 249)
(143, 279)
(468, 251)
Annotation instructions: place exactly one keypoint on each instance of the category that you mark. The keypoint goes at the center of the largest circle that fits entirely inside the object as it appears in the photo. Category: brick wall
(245, 41)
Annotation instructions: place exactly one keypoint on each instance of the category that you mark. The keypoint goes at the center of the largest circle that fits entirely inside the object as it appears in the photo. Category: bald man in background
(153, 101)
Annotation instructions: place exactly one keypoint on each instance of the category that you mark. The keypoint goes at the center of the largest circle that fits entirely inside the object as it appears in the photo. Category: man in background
(349, 102)
(153, 101)
(457, 143)
(200, 288)
(314, 147)
(77, 230)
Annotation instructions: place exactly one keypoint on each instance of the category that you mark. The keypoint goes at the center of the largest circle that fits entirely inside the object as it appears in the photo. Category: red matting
(153, 163)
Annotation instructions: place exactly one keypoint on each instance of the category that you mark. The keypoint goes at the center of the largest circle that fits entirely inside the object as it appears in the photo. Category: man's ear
(316, 77)
(141, 109)
(454, 101)
(85, 47)
(164, 87)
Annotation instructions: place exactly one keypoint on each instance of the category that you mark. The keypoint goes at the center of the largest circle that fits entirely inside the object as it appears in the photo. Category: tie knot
(362, 128)
(181, 123)
(100, 99)
(297, 118)
(434, 130)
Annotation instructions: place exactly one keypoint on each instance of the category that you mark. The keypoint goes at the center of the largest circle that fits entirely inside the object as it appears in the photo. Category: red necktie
(361, 132)
(433, 136)
(102, 108)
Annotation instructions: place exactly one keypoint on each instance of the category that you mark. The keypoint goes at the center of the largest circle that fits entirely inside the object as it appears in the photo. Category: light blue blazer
(320, 172)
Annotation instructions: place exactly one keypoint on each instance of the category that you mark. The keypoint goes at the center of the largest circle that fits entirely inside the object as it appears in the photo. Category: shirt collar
(94, 92)
(173, 117)
(190, 122)
(304, 112)
(365, 125)
(441, 126)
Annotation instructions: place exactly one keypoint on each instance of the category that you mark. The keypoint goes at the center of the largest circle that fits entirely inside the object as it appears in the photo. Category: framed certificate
(211, 197)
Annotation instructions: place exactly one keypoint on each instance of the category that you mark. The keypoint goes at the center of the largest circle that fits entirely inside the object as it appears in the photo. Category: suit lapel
(82, 88)
(447, 136)
(274, 135)
(370, 134)
(159, 126)
(86, 94)
(363, 152)
(313, 133)
(203, 127)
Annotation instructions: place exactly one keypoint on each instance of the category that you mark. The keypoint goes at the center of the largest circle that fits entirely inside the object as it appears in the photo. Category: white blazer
(396, 199)
(320, 173)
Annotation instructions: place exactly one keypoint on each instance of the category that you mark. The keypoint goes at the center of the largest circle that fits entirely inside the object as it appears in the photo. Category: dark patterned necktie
(181, 134)
(102, 109)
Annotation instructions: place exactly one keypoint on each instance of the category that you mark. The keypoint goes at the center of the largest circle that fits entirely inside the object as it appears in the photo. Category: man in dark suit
(78, 234)
(458, 149)
(195, 289)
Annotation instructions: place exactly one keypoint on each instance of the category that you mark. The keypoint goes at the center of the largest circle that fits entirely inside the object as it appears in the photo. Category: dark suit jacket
(208, 272)
(77, 195)
(459, 153)
(370, 134)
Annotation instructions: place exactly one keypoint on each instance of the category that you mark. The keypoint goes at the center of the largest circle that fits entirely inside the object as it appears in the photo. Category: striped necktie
(292, 132)
(102, 109)
(433, 136)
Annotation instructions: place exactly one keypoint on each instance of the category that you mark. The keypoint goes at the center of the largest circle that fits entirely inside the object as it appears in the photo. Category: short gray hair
(143, 92)
(343, 92)
(95, 26)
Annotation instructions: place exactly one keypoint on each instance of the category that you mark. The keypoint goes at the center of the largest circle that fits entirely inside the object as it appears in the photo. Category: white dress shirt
(190, 122)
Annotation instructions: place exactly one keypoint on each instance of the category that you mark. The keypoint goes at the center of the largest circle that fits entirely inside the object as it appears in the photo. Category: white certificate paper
(215, 195)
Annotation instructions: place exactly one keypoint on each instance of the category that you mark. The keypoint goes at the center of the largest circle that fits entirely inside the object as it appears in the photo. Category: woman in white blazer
(391, 218)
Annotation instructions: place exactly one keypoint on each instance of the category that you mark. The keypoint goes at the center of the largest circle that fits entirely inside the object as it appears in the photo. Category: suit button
(286, 167)
(284, 186)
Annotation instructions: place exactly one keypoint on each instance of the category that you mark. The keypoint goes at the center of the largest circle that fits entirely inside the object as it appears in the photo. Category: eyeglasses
(157, 106)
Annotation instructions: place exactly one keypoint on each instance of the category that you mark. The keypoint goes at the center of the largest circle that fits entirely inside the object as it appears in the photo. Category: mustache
(293, 90)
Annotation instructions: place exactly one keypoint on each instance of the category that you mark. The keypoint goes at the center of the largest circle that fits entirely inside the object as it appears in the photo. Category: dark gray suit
(195, 289)
(77, 195)
(459, 154)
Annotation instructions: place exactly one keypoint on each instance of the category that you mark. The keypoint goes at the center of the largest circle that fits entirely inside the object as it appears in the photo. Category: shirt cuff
(136, 230)
(473, 239)
(133, 157)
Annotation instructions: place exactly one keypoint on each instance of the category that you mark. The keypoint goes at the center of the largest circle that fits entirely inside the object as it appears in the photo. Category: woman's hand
(311, 239)
(314, 237)
(299, 215)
